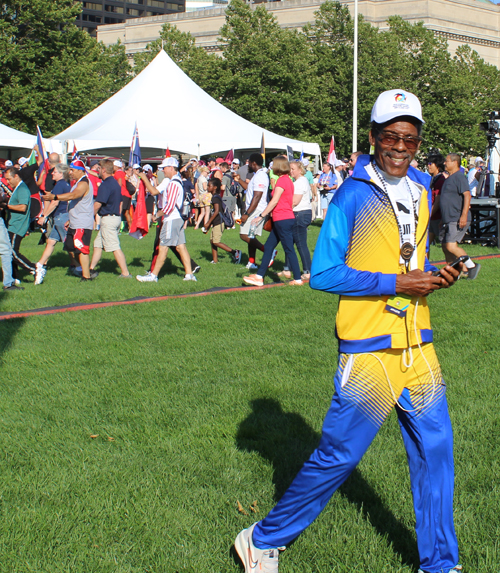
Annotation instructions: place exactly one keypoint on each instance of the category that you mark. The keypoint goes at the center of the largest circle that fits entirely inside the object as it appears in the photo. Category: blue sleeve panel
(329, 271)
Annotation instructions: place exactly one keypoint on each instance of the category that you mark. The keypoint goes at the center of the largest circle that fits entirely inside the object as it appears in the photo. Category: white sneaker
(17, 282)
(275, 254)
(252, 267)
(256, 560)
(456, 569)
(190, 278)
(149, 278)
(40, 274)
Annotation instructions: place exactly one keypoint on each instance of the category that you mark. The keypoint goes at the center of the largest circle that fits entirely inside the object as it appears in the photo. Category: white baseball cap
(147, 167)
(22, 161)
(136, 166)
(169, 162)
(118, 163)
(8, 163)
(305, 162)
(237, 161)
(395, 103)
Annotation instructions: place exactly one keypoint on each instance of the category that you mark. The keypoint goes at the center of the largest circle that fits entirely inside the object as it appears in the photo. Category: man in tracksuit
(372, 252)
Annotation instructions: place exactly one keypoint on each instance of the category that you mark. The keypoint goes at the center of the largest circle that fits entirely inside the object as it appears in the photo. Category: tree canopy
(296, 83)
(53, 73)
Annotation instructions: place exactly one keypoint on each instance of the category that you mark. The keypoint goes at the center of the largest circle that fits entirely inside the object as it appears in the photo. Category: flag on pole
(229, 157)
(44, 165)
(301, 155)
(39, 141)
(289, 153)
(167, 153)
(75, 155)
(332, 158)
(135, 148)
(263, 149)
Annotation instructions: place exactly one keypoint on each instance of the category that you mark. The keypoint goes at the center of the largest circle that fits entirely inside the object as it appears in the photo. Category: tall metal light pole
(355, 82)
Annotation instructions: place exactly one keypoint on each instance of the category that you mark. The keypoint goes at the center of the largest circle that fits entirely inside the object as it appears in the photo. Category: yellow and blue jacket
(357, 257)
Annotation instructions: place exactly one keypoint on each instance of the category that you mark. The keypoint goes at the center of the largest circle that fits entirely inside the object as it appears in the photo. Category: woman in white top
(203, 198)
(303, 216)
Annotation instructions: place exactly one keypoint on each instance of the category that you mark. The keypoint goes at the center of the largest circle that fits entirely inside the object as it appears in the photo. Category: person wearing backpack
(217, 223)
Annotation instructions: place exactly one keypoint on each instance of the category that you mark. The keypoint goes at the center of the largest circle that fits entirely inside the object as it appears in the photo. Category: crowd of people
(69, 203)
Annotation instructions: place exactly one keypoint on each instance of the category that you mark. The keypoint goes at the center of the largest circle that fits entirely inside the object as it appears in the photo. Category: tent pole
(198, 151)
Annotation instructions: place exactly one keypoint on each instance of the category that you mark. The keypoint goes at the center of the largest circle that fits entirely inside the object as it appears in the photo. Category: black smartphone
(455, 265)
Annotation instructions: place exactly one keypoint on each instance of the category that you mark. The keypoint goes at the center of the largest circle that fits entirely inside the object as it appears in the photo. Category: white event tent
(170, 111)
(13, 139)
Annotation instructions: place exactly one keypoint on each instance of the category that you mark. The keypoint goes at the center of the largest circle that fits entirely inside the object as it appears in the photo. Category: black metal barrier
(485, 223)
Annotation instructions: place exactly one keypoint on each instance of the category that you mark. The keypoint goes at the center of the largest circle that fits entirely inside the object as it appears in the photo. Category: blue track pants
(363, 398)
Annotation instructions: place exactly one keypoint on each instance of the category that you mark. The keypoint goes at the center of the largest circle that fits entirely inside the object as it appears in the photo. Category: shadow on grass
(287, 441)
(8, 328)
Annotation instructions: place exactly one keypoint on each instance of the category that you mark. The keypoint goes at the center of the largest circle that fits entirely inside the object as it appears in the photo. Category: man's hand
(243, 219)
(462, 223)
(47, 196)
(66, 225)
(418, 283)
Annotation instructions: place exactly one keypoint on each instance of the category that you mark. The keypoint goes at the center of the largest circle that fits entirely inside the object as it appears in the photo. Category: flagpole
(355, 82)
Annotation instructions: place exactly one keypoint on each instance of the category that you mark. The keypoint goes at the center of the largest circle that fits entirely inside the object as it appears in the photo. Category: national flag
(167, 153)
(229, 157)
(135, 149)
(32, 158)
(75, 155)
(139, 227)
(301, 155)
(332, 157)
(289, 153)
(263, 148)
(39, 141)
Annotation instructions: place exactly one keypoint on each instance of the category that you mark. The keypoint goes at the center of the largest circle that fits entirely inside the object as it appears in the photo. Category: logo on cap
(400, 97)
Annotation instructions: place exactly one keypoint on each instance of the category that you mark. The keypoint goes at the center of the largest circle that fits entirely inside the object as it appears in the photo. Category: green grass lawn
(199, 403)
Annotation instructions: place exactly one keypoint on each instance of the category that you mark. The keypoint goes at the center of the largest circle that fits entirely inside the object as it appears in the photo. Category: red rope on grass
(217, 290)
(96, 305)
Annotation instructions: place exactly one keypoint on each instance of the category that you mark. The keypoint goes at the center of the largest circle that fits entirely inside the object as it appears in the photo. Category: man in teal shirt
(19, 221)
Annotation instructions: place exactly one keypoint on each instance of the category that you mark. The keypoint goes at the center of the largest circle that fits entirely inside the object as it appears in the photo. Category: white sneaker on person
(149, 278)
(40, 273)
(237, 256)
(275, 254)
(17, 282)
(256, 560)
(252, 267)
(190, 278)
(456, 569)
(254, 280)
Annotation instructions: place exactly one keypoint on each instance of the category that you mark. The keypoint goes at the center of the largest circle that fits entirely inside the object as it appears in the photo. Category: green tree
(53, 73)
(269, 72)
(203, 68)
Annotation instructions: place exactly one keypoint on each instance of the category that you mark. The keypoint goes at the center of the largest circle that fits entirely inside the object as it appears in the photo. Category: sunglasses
(410, 142)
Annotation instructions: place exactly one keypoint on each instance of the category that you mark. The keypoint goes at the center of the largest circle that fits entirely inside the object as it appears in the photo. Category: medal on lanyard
(407, 249)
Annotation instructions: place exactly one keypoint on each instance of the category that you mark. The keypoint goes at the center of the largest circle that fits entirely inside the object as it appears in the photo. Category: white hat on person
(147, 167)
(169, 162)
(118, 163)
(136, 166)
(237, 161)
(8, 163)
(396, 103)
(22, 161)
(305, 162)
